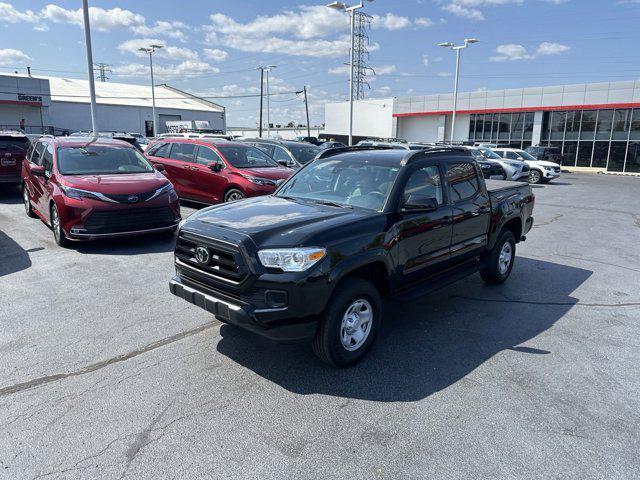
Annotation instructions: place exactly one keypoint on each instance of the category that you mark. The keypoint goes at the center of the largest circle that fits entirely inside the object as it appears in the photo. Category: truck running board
(440, 281)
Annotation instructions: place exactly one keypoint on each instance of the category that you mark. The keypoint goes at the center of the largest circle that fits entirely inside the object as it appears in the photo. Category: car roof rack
(330, 152)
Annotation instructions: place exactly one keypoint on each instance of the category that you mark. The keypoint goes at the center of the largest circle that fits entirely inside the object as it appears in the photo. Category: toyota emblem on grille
(202, 255)
(132, 198)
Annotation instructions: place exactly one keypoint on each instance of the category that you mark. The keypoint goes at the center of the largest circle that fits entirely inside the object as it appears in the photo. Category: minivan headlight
(79, 194)
(259, 180)
(291, 259)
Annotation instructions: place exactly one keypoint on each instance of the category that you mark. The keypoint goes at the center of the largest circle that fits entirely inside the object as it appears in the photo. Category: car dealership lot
(105, 374)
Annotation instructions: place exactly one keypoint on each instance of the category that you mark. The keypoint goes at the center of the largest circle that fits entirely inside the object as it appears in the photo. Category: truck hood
(272, 221)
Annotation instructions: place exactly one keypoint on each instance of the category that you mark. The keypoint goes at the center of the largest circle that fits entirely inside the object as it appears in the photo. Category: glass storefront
(605, 138)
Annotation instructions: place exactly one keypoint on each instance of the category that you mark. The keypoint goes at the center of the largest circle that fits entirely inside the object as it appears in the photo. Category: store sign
(29, 98)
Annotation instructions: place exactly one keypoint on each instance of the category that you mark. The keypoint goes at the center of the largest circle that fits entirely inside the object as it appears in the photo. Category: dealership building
(59, 105)
(594, 125)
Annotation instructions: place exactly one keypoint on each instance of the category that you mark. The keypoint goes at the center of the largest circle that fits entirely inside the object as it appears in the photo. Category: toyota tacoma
(313, 261)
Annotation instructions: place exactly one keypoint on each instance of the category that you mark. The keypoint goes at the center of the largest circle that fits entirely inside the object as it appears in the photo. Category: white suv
(515, 170)
(541, 171)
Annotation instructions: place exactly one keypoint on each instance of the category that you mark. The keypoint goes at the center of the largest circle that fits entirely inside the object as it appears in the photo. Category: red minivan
(13, 149)
(210, 171)
(87, 188)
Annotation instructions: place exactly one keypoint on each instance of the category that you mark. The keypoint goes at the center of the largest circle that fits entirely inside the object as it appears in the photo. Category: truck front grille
(222, 262)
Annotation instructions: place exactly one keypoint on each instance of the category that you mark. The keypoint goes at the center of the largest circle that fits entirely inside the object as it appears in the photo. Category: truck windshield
(101, 160)
(341, 182)
(244, 156)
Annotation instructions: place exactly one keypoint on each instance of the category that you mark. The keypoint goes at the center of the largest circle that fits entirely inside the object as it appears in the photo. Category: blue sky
(213, 47)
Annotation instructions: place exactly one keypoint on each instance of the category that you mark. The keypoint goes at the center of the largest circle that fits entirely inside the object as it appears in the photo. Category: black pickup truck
(358, 224)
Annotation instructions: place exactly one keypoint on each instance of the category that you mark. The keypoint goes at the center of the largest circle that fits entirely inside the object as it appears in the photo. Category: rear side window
(206, 156)
(511, 155)
(463, 181)
(182, 151)
(161, 150)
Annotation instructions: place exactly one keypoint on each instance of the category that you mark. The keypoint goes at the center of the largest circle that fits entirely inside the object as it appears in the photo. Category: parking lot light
(351, 10)
(457, 48)
(150, 50)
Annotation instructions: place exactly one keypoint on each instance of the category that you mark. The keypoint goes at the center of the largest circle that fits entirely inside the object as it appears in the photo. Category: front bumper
(273, 323)
(550, 174)
(75, 235)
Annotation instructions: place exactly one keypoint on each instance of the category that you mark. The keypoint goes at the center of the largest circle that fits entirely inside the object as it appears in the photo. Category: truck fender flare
(351, 264)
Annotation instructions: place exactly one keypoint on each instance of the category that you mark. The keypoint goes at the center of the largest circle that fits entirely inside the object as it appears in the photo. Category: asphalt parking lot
(104, 374)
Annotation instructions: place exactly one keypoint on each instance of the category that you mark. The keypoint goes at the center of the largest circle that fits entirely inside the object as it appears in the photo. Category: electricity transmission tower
(102, 69)
(361, 54)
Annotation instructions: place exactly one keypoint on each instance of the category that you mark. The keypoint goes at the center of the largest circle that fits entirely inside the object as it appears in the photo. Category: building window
(600, 152)
(528, 125)
(558, 120)
(517, 124)
(588, 128)
(585, 150)
(616, 156)
(569, 154)
(635, 125)
(472, 127)
(573, 125)
(546, 124)
(633, 158)
(621, 122)
(603, 127)
(504, 127)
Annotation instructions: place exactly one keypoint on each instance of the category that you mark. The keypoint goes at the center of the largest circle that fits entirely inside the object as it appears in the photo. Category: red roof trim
(18, 102)
(522, 109)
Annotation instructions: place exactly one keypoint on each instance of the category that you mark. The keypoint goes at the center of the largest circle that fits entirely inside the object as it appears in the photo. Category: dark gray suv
(288, 153)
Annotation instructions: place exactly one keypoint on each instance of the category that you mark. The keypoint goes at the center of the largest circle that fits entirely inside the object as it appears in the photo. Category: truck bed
(494, 186)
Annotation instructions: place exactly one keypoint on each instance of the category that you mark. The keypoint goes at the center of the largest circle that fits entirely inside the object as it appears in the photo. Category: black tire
(327, 344)
(233, 195)
(494, 272)
(58, 233)
(27, 203)
(535, 176)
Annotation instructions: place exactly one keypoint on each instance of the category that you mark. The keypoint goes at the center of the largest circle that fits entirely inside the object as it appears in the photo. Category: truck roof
(382, 155)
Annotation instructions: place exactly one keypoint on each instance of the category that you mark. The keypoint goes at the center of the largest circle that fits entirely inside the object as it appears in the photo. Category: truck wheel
(27, 203)
(350, 323)
(58, 233)
(535, 176)
(500, 259)
(233, 195)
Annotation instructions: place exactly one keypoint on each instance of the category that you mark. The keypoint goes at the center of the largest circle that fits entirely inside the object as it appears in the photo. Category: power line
(102, 69)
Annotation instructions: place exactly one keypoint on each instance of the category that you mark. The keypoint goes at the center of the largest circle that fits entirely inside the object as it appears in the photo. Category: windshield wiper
(331, 204)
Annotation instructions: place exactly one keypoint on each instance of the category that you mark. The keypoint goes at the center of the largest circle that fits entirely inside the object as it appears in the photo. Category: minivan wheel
(350, 323)
(233, 195)
(58, 233)
(27, 202)
(500, 260)
(535, 176)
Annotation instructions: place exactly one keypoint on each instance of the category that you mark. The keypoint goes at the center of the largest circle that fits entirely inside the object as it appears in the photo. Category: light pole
(268, 69)
(457, 48)
(351, 10)
(92, 85)
(150, 50)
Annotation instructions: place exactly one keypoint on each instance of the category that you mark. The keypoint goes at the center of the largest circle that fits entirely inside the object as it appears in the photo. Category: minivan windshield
(245, 156)
(342, 183)
(304, 153)
(101, 160)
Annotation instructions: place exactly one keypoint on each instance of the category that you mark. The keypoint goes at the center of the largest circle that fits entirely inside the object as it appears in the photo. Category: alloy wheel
(534, 176)
(504, 259)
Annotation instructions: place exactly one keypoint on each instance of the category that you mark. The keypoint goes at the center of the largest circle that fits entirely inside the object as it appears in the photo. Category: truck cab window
(425, 181)
(463, 181)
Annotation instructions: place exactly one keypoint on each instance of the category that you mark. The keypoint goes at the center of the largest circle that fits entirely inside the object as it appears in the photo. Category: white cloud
(215, 54)
(341, 70)
(423, 22)
(161, 27)
(11, 55)
(9, 14)
(445, 74)
(390, 21)
(425, 60)
(512, 51)
(471, 9)
(167, 51)
(101, 19)
(184, 69)
(384, 69)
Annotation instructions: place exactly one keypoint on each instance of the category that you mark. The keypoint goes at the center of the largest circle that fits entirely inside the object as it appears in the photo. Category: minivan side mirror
(284, 163)
(420, 203)
(215, 166)
(38, 171)
(159, 167)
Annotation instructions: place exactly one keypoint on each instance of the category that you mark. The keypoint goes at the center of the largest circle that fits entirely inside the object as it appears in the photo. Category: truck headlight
(291, 259)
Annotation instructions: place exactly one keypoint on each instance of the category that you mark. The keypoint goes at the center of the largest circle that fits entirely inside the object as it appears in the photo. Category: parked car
(13, 149)
(540, 171)
(213, 170)
(311, 140)
(312, 261)
(515, 170)
(326, 145)
(491, 169)
(289, 153)
(87, 188)
(551, 154)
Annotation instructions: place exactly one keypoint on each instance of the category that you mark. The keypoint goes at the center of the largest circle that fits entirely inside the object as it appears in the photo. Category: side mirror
(420, 203)
(284, 163)
(215, 166)
(159, 167)
(38, 171)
